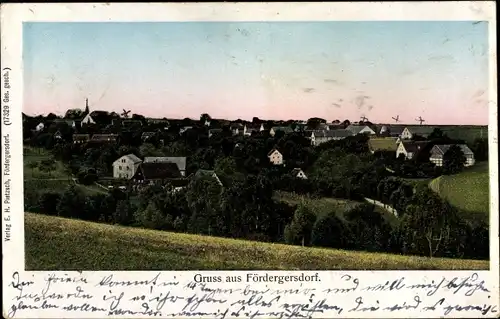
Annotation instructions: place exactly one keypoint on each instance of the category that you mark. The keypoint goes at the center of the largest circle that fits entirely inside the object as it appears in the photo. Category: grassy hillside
(37, 181)
(468, 190)
(54, 243)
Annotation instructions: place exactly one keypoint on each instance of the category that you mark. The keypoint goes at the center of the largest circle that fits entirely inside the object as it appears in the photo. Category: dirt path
(382, 205)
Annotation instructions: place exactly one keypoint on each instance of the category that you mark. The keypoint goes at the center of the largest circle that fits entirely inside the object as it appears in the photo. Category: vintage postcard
(250, 160)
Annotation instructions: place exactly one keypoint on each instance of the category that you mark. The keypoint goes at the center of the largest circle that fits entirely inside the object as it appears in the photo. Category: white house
(88, 119)
(360, 129)
(179, 161)
(275, 157)
(126, 166)
(40, 127)
(437, 152)
(319, 137)
(409, 149)
(298, 173)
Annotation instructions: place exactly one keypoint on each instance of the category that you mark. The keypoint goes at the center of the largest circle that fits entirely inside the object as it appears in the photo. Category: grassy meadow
(54, 243)
(324, 205)
(58, 179)
(468, 190)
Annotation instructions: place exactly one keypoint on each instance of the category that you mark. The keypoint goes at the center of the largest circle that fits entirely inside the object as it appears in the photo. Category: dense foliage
(244, 206)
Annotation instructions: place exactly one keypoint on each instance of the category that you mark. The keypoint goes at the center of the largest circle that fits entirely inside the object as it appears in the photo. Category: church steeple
(87, 111)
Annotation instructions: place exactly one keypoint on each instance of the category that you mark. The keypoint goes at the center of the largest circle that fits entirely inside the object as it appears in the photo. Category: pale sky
(272, 70)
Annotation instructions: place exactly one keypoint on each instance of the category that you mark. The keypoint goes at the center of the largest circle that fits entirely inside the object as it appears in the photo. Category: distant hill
(54, 243)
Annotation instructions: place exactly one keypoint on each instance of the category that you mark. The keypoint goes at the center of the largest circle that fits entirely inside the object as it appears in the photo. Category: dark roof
(423, 130)
(180, 161)
(442, 149)
(395, 129)
(272, 151)
(333, 133)
(357, 128)
(414, 147)
(81, 137)
(155, 170)
(134, 159)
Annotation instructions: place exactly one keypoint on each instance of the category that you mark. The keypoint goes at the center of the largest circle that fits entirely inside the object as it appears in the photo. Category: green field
(54, 243)
(468, 190)
(57, 180)
(325, 205)
(382, 144)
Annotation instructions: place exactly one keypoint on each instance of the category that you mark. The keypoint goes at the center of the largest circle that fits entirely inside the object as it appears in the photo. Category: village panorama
(115, 190)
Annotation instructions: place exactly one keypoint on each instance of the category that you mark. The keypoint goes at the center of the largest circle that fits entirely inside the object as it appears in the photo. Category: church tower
(87, 111)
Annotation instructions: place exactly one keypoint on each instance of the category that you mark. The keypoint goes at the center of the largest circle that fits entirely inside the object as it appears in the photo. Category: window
(120, 168)
(128, 168)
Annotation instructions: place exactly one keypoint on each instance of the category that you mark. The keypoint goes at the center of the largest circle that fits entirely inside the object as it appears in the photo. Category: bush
(329, 231)
(47, 203)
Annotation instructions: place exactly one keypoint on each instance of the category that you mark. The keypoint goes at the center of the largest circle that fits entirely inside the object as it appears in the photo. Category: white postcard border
(12, 17)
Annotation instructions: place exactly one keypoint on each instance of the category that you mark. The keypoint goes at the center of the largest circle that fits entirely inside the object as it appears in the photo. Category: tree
(71, 203)
(480, 149)
(48, 203)
(205, 117)
(329, 231)
(436, 133)
(73, 114)
(429, 225)
(152, 217)
(453, 160)
(300, 228)
(314, 122)
(122, 214)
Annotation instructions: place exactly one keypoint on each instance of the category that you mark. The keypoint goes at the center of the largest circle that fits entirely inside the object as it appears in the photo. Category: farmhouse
(409, 149)
(80, 138)
(180, 162)
(156, 172)
(360, 129)
(275, 157)
(319, 137)
(126, 166)
(298, 173)
(410, 131)
(438, 151)
(284, 129)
